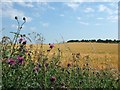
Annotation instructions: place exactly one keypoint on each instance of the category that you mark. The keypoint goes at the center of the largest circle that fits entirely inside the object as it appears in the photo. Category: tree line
(94, 40)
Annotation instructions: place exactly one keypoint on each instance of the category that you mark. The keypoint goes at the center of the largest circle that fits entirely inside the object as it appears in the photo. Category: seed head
(16, 17)
(24, 18)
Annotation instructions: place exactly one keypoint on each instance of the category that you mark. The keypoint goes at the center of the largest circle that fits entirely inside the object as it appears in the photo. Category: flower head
(51, 45)
(20, 40)
(20, 59)
(24, 42)
(52, 79)
(11, 61)
(24, 18)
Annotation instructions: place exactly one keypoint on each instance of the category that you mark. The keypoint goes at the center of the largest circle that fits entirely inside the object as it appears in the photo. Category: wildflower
(52, 79)
(24, 18)
(11, 61)
(51, 45)
(21, 59)
(24, 42)
(20, 40)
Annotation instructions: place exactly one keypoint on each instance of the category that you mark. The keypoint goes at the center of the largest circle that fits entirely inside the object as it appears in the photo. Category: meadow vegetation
(63, 66)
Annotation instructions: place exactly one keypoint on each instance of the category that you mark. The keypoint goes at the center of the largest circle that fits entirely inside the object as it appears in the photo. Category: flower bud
(16, 17)
(24, 18)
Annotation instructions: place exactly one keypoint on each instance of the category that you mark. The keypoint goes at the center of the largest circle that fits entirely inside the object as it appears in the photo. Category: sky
(62, 20)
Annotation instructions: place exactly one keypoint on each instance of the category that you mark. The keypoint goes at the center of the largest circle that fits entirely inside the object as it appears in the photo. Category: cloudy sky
(71, 20)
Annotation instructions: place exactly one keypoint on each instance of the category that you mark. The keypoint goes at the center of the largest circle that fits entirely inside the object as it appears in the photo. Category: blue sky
(72, 20)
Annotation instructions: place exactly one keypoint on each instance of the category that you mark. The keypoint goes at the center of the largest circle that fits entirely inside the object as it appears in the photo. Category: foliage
(98, 41)
(19, 71)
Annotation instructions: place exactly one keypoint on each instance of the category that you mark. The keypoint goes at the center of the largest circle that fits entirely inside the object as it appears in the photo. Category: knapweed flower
(20, 40)
(52, 79)
(11, 61)
(51, 45)
(24, 42)
(20, 59)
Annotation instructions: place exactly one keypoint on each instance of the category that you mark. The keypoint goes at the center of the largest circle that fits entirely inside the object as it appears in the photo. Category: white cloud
(113, 18)
(100, 18)
(79, 18)
(109, 10)
(84, 23)
(97, 24)
(103, 8)
(73, 5)
(14, 26)
(9, 11)
(33, 29)
(50, 7)
(28, 19)
(62, 0)
(45, 5)
(62, 15)
(45, 24)
(87, 10)
(26, 4)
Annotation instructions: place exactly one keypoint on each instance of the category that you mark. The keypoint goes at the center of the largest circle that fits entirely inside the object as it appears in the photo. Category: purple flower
(20, 40)
(11, 61)
(52, 79)
(51, 45)
(24, 42)
(20, 59)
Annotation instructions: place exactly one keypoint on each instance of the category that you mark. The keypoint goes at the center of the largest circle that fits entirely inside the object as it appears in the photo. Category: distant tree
(98, 41)
(93, 40)
(72, 41)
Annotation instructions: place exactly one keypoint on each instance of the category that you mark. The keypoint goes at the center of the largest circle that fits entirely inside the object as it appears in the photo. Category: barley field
(100, 54)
